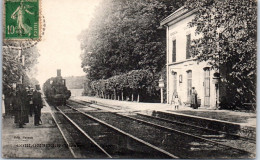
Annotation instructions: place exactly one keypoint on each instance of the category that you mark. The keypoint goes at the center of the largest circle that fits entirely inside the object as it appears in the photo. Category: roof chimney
(58, 72)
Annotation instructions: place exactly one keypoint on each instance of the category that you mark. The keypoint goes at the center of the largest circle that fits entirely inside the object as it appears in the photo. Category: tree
(228, 32)
(125, 37)
(13, 68)
(135, 82)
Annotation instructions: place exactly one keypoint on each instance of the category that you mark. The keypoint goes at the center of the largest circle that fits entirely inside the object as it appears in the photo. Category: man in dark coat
(37, 103)
(29, 101)
(20, 107)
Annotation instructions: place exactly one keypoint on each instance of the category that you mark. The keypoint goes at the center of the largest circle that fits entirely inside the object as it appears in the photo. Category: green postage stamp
(22, 19)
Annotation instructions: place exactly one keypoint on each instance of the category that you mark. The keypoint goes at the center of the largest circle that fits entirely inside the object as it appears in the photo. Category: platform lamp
(21, 59)
(161, 85)
(216, 80)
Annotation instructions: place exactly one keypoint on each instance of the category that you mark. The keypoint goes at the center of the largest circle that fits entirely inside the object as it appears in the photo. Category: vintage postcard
(125, 79)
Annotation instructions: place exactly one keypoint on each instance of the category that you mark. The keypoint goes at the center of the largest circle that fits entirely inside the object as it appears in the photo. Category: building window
(174, 51)
(189, 83)
(188, 42)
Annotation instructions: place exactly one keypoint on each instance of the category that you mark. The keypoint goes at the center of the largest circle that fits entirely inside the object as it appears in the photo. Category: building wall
(197, 80)
(178, 32)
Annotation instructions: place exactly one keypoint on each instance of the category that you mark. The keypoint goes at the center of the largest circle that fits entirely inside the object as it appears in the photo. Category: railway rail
(165, 118)
(223, 135)
(211, 137)
(106, 140)
(78, 144)
(219, 138)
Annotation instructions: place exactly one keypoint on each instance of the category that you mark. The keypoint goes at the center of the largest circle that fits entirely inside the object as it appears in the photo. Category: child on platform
(177, 102)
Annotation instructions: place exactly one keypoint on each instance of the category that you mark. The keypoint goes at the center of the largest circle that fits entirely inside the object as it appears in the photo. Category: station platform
(43, 141)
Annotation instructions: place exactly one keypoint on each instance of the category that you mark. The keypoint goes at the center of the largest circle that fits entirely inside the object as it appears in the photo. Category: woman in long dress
(194, 98)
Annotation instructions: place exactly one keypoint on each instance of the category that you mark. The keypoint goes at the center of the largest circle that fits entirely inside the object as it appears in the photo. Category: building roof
(176, 16)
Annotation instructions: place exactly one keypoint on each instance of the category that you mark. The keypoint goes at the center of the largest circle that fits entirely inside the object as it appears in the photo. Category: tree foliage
(124, 36)
(13, 68)
(228, 32)
(135, 82)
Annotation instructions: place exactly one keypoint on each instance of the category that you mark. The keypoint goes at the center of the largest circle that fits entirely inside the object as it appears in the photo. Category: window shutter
(174, 51)
(188, 46)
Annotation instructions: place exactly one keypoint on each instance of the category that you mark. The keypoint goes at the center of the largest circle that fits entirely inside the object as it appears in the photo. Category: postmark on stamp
(22, 19)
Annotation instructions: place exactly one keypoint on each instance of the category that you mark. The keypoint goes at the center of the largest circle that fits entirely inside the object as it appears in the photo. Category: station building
(183, 71)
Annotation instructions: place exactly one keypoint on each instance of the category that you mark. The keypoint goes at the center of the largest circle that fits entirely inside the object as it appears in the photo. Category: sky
(59, 47)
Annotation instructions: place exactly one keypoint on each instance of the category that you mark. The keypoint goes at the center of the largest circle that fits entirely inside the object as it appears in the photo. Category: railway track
(160, 116)
(220, 138)
(219, 142)
(77, 142)
(232, 130)
(108, 141)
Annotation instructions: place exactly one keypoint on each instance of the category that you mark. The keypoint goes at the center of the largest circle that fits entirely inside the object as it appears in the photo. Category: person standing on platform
(177, 102)
(37, 103)
(12, 101)
(29, 101)
(20, 107)
(194, 98)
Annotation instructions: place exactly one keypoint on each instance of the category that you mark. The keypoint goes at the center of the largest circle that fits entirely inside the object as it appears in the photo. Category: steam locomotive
(55, 90)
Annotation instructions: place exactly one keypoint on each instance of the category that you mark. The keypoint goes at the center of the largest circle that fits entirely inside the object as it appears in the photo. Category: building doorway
(207, 87)
(174, 93)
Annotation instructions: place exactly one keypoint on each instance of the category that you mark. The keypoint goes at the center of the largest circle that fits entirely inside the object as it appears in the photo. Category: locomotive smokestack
(59, 72)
